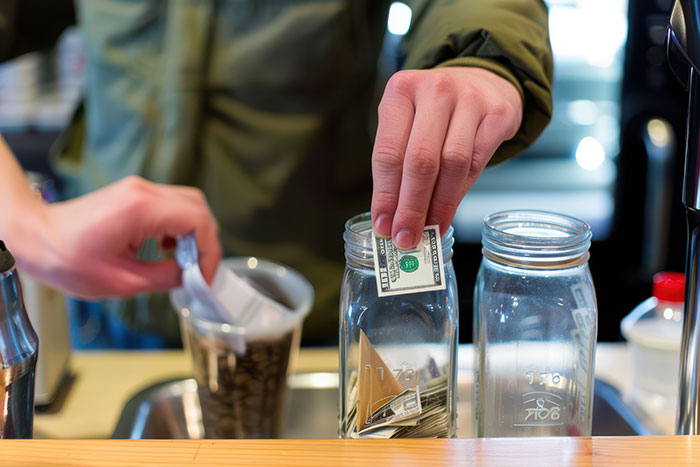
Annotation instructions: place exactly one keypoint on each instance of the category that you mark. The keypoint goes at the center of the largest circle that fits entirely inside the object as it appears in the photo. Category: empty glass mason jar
(535, 324)
(398, 353)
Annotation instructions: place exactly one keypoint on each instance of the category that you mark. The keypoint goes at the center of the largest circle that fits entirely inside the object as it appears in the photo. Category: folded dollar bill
(403, 272)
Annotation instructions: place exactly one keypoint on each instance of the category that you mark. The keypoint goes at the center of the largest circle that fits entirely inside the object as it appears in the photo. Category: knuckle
(442, 84)
(456, 159)
(387, 156)
(478, 163)
(402, 83)
(198, 195)
(500, 110)
(470, 92)
(135, 183)
(423, 162)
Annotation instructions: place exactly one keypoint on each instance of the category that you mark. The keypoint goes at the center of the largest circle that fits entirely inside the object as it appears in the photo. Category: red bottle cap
(669, 286)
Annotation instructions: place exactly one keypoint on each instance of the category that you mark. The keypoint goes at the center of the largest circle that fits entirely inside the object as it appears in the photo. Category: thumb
(176, 215)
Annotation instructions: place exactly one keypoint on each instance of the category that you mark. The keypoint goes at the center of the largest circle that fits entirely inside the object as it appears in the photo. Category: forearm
(21, 210)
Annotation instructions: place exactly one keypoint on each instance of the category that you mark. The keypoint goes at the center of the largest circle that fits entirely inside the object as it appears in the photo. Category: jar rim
(360, 224)
(358, 239)
(534, 238)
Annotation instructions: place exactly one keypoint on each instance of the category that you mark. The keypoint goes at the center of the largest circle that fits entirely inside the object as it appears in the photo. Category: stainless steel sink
(171, 410)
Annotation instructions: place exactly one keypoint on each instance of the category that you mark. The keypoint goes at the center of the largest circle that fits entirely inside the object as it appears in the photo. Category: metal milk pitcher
(18, 353)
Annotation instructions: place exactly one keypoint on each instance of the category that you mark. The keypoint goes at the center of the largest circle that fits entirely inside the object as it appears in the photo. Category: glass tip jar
(535, 325)
(397, 353)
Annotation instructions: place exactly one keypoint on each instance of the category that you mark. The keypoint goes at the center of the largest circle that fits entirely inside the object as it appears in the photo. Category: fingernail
(405, 239)
(382, 226)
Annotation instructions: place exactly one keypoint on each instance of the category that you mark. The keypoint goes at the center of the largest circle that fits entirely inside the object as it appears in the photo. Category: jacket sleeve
(507, 37)
(30, 25)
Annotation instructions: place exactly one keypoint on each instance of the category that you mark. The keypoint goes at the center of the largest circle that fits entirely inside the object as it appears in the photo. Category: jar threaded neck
(358, 240)
(535, 239)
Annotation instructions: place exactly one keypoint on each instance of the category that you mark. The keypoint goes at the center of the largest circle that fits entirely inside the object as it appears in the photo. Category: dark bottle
(18, 352)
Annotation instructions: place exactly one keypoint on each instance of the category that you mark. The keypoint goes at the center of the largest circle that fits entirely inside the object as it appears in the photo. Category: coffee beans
(242, 396)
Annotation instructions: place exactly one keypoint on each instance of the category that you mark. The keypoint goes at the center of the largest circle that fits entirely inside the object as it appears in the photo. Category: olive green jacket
(267, 106)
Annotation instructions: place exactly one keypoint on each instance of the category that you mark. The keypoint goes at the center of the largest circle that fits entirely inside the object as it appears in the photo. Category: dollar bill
(409, 271)
(402, 410)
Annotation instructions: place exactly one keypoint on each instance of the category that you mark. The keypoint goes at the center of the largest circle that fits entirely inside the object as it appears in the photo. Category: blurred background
(612, 155)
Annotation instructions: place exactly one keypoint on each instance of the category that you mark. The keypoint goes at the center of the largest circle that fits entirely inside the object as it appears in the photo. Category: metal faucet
(683, 50)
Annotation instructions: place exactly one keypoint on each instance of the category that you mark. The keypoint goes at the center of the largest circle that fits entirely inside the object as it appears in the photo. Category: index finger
(393, 131)
(420, 169)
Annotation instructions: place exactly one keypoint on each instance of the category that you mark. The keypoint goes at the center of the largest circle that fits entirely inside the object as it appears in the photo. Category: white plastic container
(653, 330)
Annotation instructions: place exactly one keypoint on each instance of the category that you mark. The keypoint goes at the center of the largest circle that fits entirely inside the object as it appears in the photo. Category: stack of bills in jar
(381, 408)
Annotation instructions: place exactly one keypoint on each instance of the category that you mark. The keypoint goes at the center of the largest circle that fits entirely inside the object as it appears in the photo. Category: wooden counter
(660, 451)
(105, 380)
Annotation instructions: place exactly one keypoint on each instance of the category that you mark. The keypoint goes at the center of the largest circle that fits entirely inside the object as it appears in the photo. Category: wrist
(25, 231)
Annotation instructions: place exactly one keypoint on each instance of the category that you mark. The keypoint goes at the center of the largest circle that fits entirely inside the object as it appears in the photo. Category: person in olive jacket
(250, 124)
